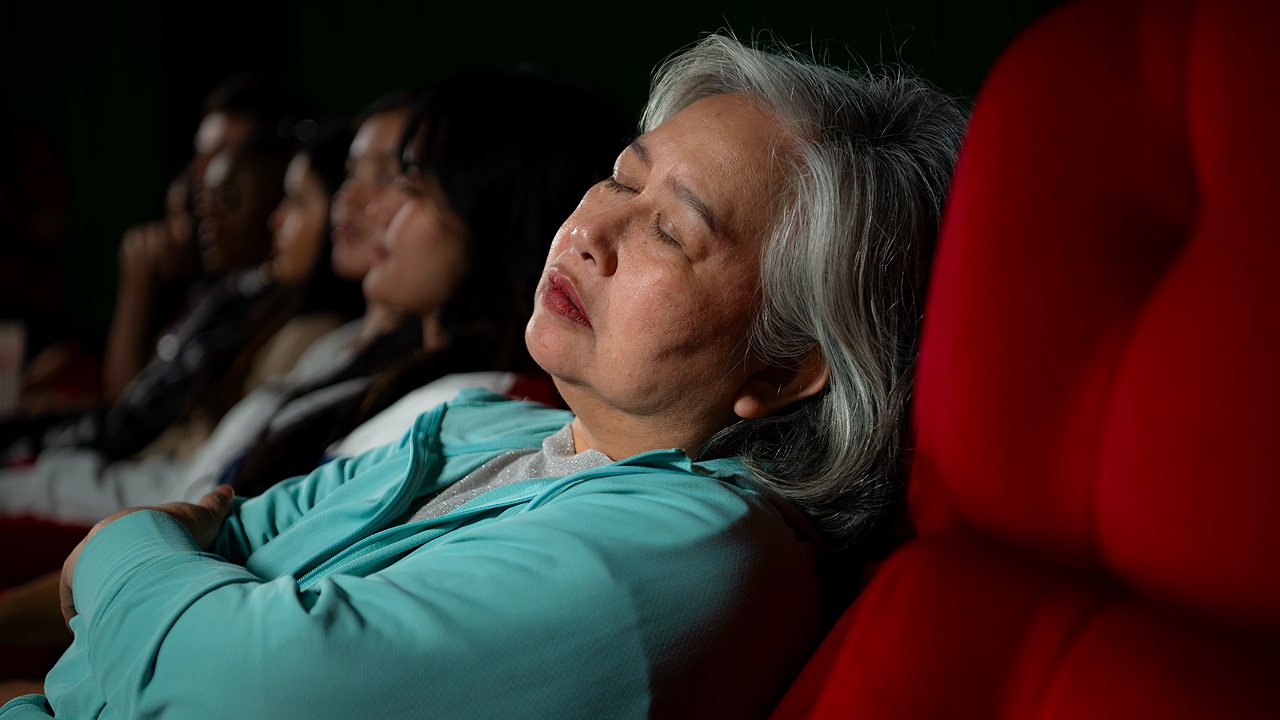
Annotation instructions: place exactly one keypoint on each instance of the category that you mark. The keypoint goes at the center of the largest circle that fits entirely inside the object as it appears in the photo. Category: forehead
(218, 169)
(219, 130)
(378, 135)
(296, 174)
(726, 151)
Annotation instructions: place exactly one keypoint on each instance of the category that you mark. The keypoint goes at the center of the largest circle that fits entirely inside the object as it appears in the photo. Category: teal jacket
(653, 586)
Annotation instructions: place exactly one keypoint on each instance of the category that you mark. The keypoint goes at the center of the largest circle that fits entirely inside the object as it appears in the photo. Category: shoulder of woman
(477, 415)
(281, 353)
(716, 498)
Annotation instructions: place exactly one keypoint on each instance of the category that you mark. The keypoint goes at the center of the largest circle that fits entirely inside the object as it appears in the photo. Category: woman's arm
(255, 521)
(127, 348)
(598, 605)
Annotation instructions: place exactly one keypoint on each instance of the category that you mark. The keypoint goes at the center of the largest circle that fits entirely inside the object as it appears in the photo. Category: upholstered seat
(1096, 473)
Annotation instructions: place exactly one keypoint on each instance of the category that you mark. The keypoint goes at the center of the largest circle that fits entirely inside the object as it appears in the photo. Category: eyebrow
(686, 195)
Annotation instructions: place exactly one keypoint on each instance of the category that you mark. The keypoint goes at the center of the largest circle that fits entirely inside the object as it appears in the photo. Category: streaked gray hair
(843, 268)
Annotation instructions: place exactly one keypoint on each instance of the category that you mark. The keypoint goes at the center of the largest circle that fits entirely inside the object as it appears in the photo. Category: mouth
(206, 235)
(561, 298)
(347, 233)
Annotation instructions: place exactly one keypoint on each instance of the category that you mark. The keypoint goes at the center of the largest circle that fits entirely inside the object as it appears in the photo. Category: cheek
(559, 241)
(444, 264)
(290, 227)
(412, 254)
(384, 206)
(315, 226)
(681, 321)
(396, 239)
(344, 204)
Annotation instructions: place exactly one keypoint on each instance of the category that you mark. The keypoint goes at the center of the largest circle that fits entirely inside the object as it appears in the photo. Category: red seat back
(1098, 399)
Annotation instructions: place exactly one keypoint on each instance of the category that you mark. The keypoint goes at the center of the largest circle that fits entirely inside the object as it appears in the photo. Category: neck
(379, 319)
(598, 425)
(434, 336)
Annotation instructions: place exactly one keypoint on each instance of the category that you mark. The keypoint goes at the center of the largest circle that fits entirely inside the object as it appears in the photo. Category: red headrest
(1100, 376)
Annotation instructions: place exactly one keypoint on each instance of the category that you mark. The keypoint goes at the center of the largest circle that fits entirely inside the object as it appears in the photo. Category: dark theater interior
(805, 360)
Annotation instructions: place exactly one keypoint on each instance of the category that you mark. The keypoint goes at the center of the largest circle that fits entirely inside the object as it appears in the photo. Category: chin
(350, 269)
(536, 342)
(555, 352)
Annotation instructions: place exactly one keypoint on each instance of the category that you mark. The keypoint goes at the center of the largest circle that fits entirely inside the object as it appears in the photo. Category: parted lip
(563, 284)
(378, 250)
(344, 232)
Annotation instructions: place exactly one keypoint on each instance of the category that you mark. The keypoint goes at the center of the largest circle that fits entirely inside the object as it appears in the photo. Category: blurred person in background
(513, 191)
(307, 300)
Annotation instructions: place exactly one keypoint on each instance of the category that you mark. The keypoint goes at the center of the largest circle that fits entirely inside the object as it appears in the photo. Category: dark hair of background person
(512, 184)
(402, 100)
(512, 167)
(262, 98)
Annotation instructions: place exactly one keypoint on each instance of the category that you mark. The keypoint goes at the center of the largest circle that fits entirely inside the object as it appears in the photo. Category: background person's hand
(10, 689)
(203, 519)
(142, 251)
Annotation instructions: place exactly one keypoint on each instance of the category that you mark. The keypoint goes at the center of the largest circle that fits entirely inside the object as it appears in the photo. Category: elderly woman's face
(648, 291)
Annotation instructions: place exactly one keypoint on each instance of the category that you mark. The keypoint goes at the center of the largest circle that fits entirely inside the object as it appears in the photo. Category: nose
(343, 200)
(276, 218)
(594, 238)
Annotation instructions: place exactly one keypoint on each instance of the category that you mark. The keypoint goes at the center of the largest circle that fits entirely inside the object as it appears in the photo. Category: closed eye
(659, 233)
(408, 187)
(612, 184)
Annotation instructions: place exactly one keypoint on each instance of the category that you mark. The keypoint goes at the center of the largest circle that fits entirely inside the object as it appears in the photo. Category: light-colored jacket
(653, 586)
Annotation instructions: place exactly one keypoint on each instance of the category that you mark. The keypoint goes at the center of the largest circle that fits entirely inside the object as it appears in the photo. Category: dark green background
(118, 86)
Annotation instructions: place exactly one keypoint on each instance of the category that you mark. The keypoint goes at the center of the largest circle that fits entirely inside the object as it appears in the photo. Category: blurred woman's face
(298, 223)
(368, 199)
(420, 259)
(232, 230)
(648, 292)
(218, 131)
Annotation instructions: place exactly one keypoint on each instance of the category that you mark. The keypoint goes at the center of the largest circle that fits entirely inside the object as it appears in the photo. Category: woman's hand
(203, 519)
(144, 253)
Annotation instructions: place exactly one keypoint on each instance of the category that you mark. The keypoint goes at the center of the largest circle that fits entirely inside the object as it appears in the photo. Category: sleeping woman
(731, 318)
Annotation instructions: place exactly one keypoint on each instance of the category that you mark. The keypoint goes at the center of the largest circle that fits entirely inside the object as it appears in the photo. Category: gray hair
(842, 269)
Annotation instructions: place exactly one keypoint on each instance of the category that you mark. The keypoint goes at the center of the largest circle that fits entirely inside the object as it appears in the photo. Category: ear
(769, 389)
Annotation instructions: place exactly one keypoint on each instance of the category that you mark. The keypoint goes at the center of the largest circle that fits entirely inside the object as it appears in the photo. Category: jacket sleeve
(580, 608)
(255, 521)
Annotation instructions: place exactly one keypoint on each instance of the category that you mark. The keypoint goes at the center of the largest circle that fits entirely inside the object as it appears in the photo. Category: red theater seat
(1095, 482)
